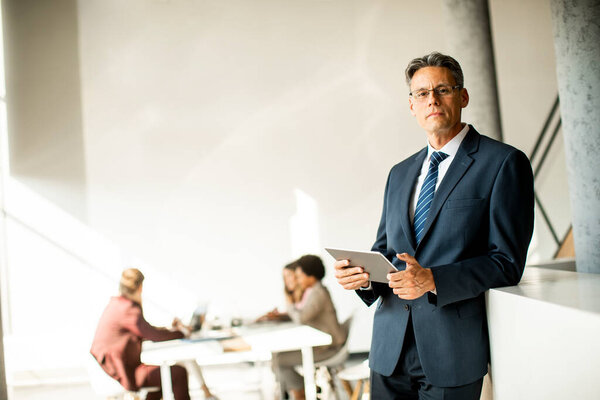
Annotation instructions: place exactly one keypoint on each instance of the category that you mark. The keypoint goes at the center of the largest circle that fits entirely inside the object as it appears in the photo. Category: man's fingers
(357, 278)
(350, 278)
(395, 276)
(408, 293)
(405, 257)
(354, 282)
(405, 283)
(353, 286)
(348, 271)
(408, 259)
(401, 276)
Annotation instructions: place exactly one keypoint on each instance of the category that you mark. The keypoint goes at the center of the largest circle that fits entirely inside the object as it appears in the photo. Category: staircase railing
(542, 146)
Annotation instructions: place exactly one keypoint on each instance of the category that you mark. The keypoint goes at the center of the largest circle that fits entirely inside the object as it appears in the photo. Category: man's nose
(432, 98)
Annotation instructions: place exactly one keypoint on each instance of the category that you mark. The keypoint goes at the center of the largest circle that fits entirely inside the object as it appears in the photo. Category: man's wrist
(432, 287)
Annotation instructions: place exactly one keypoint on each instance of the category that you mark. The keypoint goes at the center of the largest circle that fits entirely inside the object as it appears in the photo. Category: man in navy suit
(457, 220)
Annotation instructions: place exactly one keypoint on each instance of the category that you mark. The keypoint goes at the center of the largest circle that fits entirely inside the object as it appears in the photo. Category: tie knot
(437, 157)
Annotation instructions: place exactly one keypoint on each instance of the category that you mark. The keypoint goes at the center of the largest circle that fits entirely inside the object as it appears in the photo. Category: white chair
(328, 368)
(105, 386)
(359, 373)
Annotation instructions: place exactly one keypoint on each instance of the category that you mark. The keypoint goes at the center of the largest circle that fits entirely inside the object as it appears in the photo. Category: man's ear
(411, 106)
(464, 98)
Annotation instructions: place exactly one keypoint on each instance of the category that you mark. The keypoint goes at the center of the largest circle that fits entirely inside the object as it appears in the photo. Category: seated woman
(117, 345)
(315, 309)
(293, 294)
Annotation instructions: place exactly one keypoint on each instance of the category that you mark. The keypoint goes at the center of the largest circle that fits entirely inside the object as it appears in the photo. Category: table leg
(165, 380)
(308, 367)
(193, 367)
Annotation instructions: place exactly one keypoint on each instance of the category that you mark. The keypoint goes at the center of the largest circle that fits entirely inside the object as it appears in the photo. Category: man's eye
(443, 90)
(421, 94)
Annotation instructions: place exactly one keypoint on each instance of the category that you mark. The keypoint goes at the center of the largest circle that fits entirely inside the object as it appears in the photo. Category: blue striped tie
(426, 194)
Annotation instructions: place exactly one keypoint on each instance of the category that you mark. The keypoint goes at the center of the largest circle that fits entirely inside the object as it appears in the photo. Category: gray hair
(435, 59)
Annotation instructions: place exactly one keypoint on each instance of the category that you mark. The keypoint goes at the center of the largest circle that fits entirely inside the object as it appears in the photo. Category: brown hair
(131, 280)
(295, 295)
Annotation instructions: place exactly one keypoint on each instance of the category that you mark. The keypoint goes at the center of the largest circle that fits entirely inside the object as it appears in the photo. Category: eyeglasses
(440, 91)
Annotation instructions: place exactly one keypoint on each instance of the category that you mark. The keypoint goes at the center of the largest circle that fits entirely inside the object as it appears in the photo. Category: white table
(263, 340)
(544, 336)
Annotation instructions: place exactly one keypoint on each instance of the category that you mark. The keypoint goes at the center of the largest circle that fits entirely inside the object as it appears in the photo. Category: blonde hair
(131, 280)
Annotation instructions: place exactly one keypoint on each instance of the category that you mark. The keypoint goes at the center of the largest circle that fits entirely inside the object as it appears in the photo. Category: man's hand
(413, 282)
(351, 278)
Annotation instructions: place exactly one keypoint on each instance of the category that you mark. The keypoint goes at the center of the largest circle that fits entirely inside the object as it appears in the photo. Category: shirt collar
(450, 148)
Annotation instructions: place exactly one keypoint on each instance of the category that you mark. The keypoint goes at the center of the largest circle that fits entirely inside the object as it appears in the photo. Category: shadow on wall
(44, 109)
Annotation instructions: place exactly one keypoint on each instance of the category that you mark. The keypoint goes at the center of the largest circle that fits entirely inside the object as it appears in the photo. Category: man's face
(438, 115)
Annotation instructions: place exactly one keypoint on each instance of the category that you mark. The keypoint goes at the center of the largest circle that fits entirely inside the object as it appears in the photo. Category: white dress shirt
(449, 148)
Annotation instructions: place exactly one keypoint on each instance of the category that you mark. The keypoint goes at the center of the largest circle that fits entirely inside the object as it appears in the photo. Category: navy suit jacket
(476, 237)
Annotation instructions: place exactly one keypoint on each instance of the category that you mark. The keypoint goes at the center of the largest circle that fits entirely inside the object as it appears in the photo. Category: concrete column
(469, 40)
(577, 47)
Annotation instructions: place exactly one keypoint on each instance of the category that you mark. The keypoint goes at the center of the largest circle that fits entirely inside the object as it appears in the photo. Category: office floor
(249, 383)
(228, 382)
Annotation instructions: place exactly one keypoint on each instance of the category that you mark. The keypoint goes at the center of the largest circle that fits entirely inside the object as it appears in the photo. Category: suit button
(406, 307)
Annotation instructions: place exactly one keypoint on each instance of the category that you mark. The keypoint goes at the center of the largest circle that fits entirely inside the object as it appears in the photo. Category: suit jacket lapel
(406, 193)
(461, 163)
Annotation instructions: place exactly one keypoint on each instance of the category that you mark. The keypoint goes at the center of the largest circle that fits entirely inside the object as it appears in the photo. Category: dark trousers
(408, 382)
(149, 375)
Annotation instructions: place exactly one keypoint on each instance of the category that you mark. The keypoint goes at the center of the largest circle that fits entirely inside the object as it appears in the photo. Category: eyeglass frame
(435, 91)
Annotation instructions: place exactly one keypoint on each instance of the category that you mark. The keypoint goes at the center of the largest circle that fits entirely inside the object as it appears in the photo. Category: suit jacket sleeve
(510, 230)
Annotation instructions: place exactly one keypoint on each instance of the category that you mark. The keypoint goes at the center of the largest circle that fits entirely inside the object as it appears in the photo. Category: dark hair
(435, 59)
(312, 266)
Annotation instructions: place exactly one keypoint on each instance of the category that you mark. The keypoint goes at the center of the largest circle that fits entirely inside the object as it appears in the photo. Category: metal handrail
(547, 219)
(548, 146)
(544, 129)
(545, 152)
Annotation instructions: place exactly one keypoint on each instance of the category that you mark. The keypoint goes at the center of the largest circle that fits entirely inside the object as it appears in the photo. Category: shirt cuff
(370, 287)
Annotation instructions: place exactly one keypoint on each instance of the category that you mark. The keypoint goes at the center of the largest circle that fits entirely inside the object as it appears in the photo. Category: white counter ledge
(545, 336)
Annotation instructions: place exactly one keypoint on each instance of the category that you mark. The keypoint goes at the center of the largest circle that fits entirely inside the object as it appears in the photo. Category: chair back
(346, 325)
(342, 354)
(102, 383)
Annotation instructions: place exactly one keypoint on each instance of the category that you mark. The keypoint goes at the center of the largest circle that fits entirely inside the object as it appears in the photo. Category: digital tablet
(373, 262)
